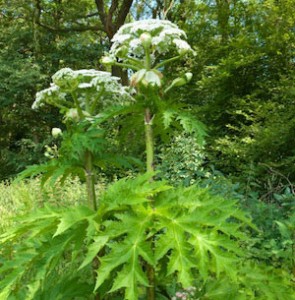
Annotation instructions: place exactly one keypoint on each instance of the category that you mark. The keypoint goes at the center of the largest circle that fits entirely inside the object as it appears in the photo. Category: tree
(39, 37)
(243, 84)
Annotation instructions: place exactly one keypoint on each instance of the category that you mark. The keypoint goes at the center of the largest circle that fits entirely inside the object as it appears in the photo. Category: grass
(18, 198)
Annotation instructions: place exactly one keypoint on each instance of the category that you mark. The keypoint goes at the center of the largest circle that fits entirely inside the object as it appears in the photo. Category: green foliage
(17, 198)
(146, 236)
(188, 234)
(189, 218)
(181, 160)
(275, 243)
(245, 86)
(47, 252)
(69, 158)
(29, 55)
(254, 282)
(186, 121)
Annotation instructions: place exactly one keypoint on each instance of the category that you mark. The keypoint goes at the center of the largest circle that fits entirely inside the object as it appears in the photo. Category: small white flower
(56, 132)
(156, 40)
(123, 37)
(91, 73)
(86, 88)
(135, 43)
(47, 95)
(65, 79)
(84, 85)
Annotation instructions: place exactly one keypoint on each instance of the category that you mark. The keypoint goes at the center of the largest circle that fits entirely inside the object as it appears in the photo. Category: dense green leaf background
(242, 90)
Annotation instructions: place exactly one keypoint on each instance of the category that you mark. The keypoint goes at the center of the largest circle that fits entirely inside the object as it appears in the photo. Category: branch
(109, 22)
(124, 10)
(59, 29)
(166, 10)
(106, 18)
(113, 8)
(101, 11)
(89, 16)
(71, 29)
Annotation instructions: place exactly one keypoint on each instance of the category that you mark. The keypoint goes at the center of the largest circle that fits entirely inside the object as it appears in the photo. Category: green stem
(94, 104)
(167, 61)
(91, 197)
(137, 62)
(147, 58)
(90, 180)
(127, 66)
(149, 141)
(148, 119)
(92, 203)
(293, 254)
(77, 104)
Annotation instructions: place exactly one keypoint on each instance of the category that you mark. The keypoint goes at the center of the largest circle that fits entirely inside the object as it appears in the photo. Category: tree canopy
(243, 73)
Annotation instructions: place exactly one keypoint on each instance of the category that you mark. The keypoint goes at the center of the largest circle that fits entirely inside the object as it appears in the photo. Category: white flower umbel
(82, 91)
(50, 96)
(161, 36)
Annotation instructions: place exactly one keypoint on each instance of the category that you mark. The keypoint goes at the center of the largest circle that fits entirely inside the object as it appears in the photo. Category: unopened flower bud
(146, 39)
(152, 78)
(107, 60)
(56, 132)
(72, 114)
(188, 76)
(180, 81)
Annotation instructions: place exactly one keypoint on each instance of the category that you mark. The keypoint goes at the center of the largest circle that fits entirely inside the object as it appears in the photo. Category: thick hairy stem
(90, 182)
(149, 141)
(91, 197)
(151, 295)
(77, 104)
(150, 168)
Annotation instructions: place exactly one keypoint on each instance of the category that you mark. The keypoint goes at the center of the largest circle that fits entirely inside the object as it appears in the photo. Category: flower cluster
(88, 89)
(50, 96)
(161, 36)
(186, 294)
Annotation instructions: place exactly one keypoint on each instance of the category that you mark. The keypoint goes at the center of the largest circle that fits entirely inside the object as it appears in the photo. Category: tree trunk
(223, 15)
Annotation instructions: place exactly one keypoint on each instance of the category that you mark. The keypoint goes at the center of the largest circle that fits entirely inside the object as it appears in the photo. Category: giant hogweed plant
(142, 236)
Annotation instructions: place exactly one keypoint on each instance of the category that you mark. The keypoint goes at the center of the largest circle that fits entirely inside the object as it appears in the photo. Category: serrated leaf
(109, 262)
(126, 256)
(198, 229)
(73, 216)
(93, 249)
(168, 117)
(132, 191)
(192, 126)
